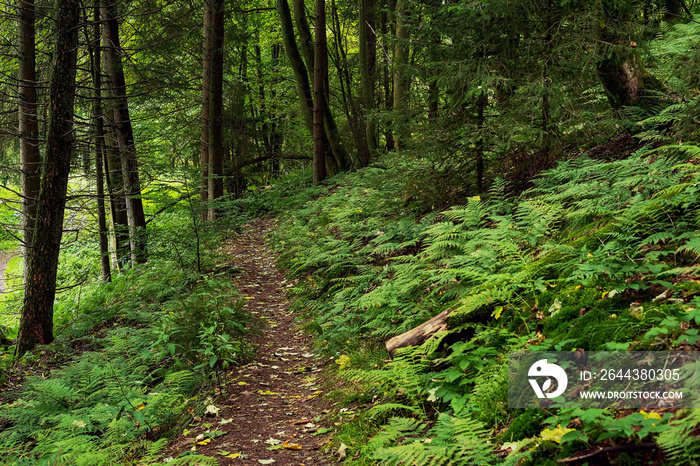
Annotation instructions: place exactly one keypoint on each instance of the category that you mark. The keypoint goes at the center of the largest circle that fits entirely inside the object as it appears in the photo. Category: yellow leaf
(343, 361)
(497, 312)
(242, 383)
(555, 435)
(292, 446)
(233, 455)
(267, 392)
(204, 442)
(651, 415)
(141, 407)
(476, 198)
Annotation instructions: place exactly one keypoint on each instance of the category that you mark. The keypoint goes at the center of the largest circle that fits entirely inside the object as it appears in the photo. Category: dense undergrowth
(575, 262)
(133, 359)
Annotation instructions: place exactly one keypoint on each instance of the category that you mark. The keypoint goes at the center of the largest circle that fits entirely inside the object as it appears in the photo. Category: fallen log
(419, 334)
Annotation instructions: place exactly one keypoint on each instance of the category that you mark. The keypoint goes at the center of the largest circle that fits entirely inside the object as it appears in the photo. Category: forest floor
(272, 409)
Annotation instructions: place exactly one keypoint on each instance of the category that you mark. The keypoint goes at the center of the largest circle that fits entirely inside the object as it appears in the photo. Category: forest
(313, 232)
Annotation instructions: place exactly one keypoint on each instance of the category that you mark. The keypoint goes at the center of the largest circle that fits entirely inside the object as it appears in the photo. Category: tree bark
(621, 71)
(367, 51)
(301, 77)
(216, 144)
(30, 158)
(36, 323)
(95, 60)
(306, 40)
(320, 76)
(480, 107)
(420, 334)
(401, 130)
(117, 199)
(124, 132)
(206, 83)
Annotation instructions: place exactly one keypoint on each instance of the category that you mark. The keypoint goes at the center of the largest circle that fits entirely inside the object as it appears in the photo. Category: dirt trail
(273, 406)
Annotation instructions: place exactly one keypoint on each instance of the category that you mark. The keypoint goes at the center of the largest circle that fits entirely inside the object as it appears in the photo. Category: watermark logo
(542, 368)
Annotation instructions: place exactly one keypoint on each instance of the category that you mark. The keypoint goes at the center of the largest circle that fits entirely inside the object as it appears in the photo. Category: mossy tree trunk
(621, 71)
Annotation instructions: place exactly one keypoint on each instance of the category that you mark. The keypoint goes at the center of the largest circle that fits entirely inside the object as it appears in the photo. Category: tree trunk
(433, 101)
(306, 40)
(320, 75)
(124, 133)
(301, 76)
(206, 82)
(481, 103)
(216, 144)
(36, 324)
(30, 158)
(401, 130)
(117, 199)
(390, 144)
(367, 50)
(95, 60)
(621, 71)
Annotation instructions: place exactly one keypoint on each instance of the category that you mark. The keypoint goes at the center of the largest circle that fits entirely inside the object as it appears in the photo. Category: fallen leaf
(341, 451)
(267, 392)
(273, 441)
(270, 461)
(292, 446)
(206, 441)
(212, 410)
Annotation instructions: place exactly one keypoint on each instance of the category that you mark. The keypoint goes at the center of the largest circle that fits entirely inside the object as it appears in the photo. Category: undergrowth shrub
(132, 362)
(576, 262)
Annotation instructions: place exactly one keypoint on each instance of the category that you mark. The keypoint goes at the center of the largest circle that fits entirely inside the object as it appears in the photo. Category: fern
(452, 441)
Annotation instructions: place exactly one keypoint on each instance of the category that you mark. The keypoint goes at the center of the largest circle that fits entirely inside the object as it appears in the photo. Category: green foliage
(577, 261)
(129, 361)
(450, 441)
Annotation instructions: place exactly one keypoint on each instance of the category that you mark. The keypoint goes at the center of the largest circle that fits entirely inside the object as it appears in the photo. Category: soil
(271, 408)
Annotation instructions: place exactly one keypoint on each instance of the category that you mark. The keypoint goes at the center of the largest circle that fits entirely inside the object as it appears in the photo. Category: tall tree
(124, 131)
(339, 158)
(367, 54)
(216, 82)
(36, 323)
(30, 158)
(206, 83)
(320, 78)
(401, 81)
(95, 62)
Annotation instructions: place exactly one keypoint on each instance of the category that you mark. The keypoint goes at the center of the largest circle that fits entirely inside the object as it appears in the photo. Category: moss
(526, 425)
(477, 307)
(688, 287)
